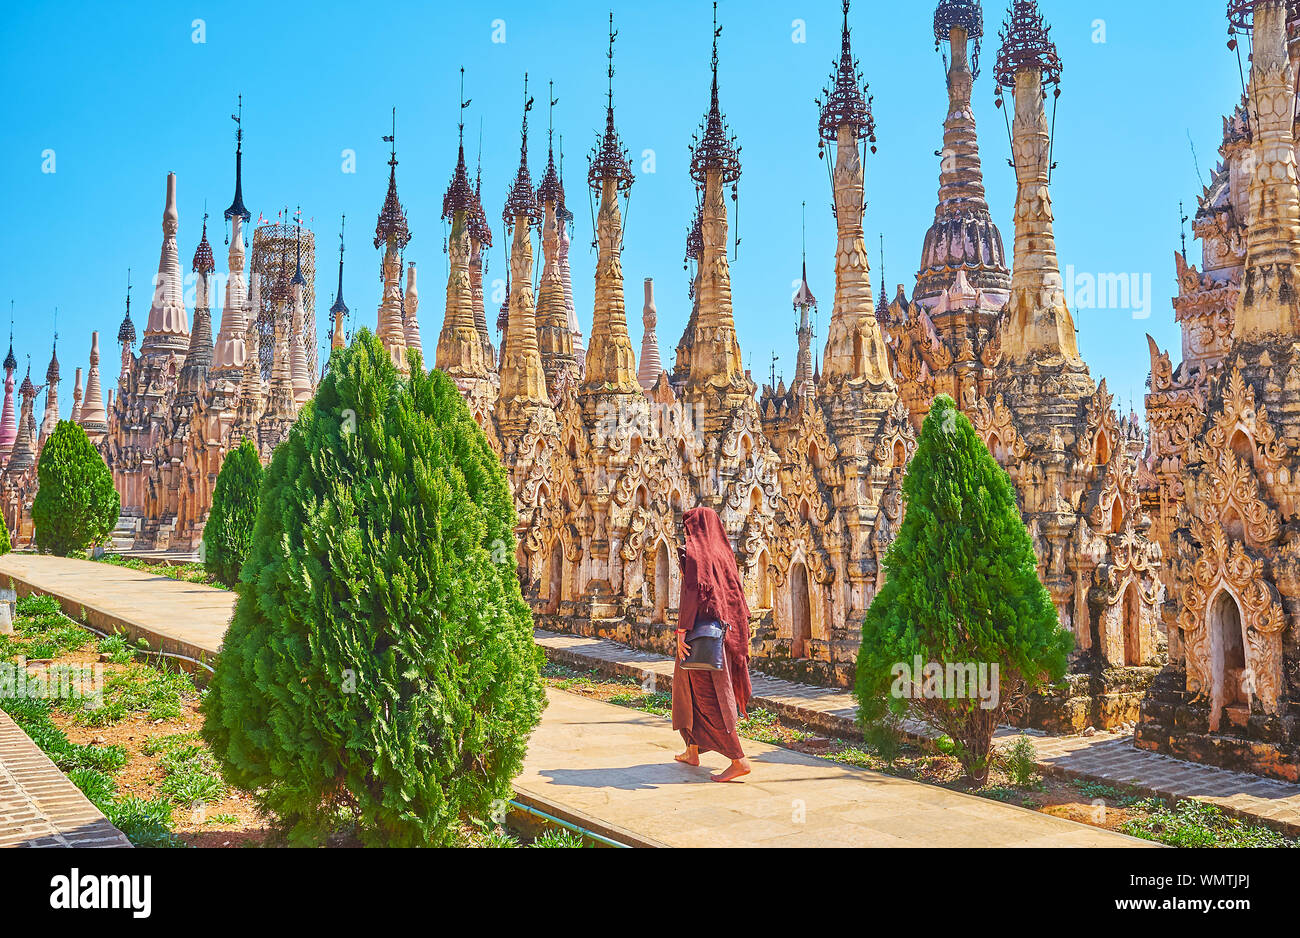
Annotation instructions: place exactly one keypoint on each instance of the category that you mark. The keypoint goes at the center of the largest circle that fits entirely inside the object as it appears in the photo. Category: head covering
(711, 589)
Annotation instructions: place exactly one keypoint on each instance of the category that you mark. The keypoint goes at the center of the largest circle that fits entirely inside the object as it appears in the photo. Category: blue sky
(123, 94)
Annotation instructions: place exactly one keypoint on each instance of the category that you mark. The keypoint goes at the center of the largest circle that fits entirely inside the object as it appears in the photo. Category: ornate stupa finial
(847, 101)
(459, 196)
(480, 229)
(882, 307)
(1027, 43)
(969, 15)
(10, 362)
(126, 331)
(548, 190)
(204, 263)
(804, 298)
(392, 226)
(522, 201)
(609, 159)
(714, 147)
(237, 203)
(340, 308)
(52, 373)
(298, 279)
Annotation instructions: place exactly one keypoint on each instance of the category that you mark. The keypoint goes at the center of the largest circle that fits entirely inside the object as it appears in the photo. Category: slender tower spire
(198, 357)
(651, 366)
(51, 418)
(566, 274)
(94, 418)
(1037, 324)
(611, 362)
(228, 356)
(392, 234)
(23, 455)
(168, 327)
(963, 236)
(340, 309)
(716, 364)
(76, 398)
(523, 381)
(1268, 305)
(299, 370)
(411, 307)
(480, 240)
(804, 304)
(554, 336)
(126, 338)
(8, 420)
(855, 347)
(251, 397)
(460, 353)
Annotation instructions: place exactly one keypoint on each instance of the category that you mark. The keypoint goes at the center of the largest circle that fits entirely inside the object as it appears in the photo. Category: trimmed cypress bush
(235, 500)
(76, 505)
(379, 676)
(962, 593)
(5, 544)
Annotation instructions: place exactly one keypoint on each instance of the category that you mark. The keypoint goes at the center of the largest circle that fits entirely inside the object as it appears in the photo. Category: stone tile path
(1106, 758)
(612, 770)
(39, 807)
(191, 619)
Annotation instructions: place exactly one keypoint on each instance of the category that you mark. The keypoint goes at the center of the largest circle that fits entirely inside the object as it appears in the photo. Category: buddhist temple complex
(1170, 550)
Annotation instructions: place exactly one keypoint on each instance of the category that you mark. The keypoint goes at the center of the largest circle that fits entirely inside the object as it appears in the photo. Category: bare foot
(690, 757)
(737, 769)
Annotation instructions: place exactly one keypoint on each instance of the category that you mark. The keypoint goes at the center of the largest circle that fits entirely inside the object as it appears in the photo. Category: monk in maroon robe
(705, 703)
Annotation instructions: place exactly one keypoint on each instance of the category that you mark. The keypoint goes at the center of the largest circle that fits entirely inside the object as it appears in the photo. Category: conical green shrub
(76, 505)
(236, 498)
(961, 589)
(380, 673)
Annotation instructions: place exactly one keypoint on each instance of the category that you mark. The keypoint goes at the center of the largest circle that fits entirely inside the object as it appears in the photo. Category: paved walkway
(1106, 758)
(190, 619)
(172, 615)
(39, 807)
(613, 769)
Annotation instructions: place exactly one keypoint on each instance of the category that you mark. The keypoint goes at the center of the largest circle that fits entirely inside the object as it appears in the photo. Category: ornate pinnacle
(609, 159)
(549, 188)
(695, 236)
(1026, 43)
(459, 197)
(392, 227)
(339, 306)
(714, 147)
(969, 15)
(298, 279)
(522, 202)
(846, 100)
(237, 208)
(203, 261)
(126, 331)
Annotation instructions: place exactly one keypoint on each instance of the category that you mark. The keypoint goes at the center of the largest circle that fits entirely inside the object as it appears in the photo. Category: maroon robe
(705, 703)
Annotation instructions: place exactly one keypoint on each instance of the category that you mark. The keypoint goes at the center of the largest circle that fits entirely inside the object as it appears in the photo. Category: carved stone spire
(392, 234)
(299, 371)
(1268, 305)
(651, 366)
(611, 361)
(480, 239)
(251, 398)
(566, 275)
(855, 347)
(94, 418)
(461, 353)
(340, 309)
(168, 328)
(804, 304)
(1037, 325)
(51, 418)
(716, 364)
(8, 419)
(411, 308)
(228, 356)
(76, 399)
(523, 381)
(963, 236)
(199, 355)
(554, 336)
(23, 454)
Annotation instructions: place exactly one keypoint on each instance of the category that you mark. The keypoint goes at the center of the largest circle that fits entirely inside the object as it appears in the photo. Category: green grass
(1195, 824)
(117, 650)
(187, 572)
(560, 837)
(191, 776)
(159, 692)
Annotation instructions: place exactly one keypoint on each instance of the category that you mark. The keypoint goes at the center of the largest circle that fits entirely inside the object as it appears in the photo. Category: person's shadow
(630, 778)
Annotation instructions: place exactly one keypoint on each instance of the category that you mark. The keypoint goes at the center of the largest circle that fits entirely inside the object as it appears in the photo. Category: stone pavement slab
(39, 806)
(615, 766)
(1107, 758)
